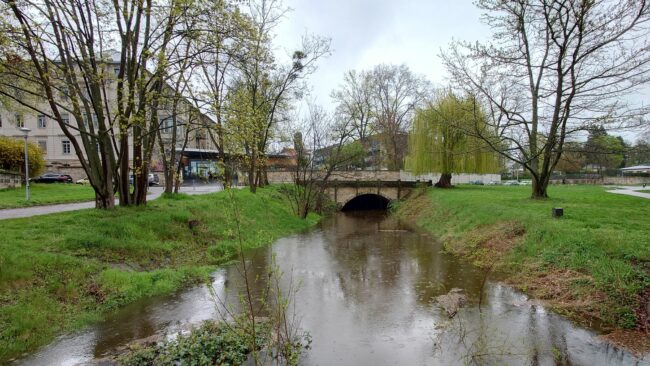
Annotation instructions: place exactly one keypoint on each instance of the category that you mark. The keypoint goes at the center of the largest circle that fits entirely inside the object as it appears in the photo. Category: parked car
(494, 183)
(53, 178)
(476, 182)
(511, 183)
(152, 179)
(83, 181)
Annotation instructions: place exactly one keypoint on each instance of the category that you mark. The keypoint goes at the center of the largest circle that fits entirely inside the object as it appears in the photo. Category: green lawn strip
(59, 272)
(602, 239)
(45, 194)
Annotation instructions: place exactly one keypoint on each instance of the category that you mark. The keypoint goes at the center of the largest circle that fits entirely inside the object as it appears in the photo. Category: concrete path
(154, 192)
(631, 191)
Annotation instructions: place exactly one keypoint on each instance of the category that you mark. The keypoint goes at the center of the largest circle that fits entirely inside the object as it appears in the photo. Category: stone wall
(10, 180)
(605, 180)
(387, 175)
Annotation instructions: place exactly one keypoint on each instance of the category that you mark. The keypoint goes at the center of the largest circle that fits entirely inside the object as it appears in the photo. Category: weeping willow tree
(443, 139)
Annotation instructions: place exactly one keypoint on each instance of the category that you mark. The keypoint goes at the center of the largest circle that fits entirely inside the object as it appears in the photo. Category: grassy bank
(60, 272)
(45, 194)
(591, 265)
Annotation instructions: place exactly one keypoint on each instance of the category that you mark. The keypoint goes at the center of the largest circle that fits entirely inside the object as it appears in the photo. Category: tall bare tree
(382, 102)
(398, 92)
(67, 56)
(552, 69)
(322, 145)
(62, 45)
(355, 102)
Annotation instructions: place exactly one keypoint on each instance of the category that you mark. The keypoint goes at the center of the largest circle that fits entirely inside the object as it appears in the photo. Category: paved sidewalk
(154, 192)
(631, 191)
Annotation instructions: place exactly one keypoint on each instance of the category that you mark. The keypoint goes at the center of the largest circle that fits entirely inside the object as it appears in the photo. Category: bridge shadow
(366, 202)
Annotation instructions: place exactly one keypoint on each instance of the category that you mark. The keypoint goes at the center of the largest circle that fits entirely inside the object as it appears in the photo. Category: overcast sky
(365, 33)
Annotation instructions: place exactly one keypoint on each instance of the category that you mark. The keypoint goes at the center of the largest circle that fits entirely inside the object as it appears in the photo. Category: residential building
(59, 150)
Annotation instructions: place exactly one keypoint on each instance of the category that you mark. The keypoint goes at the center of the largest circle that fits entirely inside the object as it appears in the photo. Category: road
(154, 192)
(631, 191)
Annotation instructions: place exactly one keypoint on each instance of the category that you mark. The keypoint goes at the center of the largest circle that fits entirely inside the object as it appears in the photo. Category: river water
(367, 289)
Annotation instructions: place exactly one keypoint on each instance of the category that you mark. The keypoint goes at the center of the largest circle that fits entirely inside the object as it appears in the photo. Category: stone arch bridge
(369, 194)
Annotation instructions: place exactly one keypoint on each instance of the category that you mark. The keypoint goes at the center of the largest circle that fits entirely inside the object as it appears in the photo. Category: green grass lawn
(591, 264)
(59, 272)
(45, 194)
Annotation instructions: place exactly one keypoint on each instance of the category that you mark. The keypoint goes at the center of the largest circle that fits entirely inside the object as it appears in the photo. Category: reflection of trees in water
(375, 254)
(507, 332)
(133, 322)
(257, 265)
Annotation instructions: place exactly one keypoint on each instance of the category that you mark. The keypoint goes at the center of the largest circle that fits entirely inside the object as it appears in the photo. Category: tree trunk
(251, 173)
(106, 201)
(444, 181)
(123, 182)
(169, 181)
(539, 188)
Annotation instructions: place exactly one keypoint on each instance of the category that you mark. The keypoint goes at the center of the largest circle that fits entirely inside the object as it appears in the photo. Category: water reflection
(368, 284)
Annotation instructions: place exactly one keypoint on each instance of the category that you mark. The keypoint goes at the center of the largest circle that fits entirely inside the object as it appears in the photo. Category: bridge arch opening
(367, 201)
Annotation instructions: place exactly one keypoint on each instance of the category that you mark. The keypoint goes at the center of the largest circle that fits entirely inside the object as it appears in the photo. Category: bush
(12, 156)
(211, 344)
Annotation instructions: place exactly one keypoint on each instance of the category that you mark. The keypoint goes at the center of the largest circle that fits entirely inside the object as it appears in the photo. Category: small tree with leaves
(12, 156)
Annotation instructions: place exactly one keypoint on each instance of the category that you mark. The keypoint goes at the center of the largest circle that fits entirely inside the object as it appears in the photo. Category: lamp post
(25, 132)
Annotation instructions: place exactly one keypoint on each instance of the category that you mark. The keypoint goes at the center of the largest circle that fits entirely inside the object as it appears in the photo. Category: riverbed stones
(452, 301)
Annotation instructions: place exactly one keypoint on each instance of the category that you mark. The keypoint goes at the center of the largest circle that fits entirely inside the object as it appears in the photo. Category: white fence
(388, 175)
(455, 178)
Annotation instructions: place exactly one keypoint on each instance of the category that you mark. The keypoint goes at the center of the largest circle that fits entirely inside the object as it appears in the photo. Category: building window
(166, 124)
(87, 119)
(65, 92)
(66, 146)
(42, 122)
(43, 145)
(20, 123)
(116, 71)
(65, 118)
(0, 121)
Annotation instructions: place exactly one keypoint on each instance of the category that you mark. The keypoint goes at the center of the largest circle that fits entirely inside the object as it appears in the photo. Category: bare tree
(354, 99)
(382, 102)
(69, 64)
(398, 92)
(322, 146)
(554, 68)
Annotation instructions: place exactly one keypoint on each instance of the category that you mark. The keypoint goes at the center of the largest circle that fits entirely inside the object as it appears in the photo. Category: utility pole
(25, 132)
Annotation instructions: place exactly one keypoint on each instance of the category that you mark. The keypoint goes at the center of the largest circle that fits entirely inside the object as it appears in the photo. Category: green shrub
(12, 156)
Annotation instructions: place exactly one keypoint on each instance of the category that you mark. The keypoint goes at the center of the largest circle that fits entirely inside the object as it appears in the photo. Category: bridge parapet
(342, 191)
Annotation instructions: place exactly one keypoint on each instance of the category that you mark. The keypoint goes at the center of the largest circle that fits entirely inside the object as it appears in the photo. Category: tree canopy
(12, 156)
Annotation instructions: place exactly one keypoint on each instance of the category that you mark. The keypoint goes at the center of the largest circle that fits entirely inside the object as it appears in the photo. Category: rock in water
(452, 301)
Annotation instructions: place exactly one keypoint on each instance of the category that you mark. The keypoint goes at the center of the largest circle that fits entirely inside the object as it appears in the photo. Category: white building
(59, 151)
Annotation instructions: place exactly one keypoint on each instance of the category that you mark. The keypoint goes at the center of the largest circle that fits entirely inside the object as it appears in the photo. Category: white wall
(455, 178)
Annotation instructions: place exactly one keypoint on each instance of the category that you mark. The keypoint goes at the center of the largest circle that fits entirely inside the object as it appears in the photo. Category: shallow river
(367, 293)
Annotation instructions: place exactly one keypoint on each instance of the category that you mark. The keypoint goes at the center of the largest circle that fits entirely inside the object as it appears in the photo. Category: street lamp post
(25, 132)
